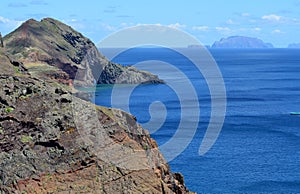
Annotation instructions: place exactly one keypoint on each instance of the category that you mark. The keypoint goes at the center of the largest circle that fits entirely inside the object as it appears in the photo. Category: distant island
(294, 45)
(241, 42)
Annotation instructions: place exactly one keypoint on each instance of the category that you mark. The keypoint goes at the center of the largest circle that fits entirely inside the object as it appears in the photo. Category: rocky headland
(54, 142)
(52, 49)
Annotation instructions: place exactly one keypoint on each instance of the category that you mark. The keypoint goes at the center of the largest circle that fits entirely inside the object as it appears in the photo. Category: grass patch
(17, 70)
(26, 139)
(40, 68)
(25, 97)
(106, 111)
(32, 65)
(9, 109)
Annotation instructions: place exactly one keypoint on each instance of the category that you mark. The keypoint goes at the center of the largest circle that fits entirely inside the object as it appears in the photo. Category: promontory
(53, 142)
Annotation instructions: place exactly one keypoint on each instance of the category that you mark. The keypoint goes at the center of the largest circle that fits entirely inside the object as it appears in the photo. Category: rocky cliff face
(53, 43)
(53, 142)
(241, 42)
(1, 40)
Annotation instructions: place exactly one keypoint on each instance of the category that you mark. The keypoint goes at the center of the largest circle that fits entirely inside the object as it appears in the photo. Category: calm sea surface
(258, 150)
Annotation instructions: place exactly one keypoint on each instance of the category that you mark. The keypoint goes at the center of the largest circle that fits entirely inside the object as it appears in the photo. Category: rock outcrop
(73, 56)
(54, 142)
(241, 42)
(1, 41)
(9, 66)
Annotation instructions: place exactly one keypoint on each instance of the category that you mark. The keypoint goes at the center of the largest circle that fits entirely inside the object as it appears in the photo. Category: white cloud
(271, 17)
(257, 29)
(10, 23)
(75, 23)
(4, 20)
(139, 24)
(200, 28)
(176, 26)
(222, 29)
(277, 31)
(229, 21)
(129, 25)
(108, 27)
(281, 19)
(124, 24)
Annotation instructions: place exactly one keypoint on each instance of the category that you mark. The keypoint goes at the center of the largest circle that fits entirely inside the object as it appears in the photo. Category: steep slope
(53, 142)
(9, 66)
(241, 42)
(53, 43)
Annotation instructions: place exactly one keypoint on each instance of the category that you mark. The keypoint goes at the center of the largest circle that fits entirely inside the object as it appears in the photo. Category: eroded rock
(54, 142)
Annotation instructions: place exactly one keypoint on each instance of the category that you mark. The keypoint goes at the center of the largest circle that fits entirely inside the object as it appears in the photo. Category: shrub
(26, 139)
(9, 109)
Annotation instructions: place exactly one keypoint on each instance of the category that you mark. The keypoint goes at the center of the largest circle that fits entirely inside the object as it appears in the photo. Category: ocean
(258, 149)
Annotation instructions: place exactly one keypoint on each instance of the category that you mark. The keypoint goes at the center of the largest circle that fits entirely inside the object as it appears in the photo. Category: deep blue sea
(258, 149)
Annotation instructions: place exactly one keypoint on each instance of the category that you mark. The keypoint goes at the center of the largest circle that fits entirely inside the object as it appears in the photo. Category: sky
(274, 21)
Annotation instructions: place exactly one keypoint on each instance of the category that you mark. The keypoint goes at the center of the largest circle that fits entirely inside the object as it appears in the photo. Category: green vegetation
(17, 70)
(9, 109)
(26, 139)
(145, 147)
(106, 111)
(25, 97)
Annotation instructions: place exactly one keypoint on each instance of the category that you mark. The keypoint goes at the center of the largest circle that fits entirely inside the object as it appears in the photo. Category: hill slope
(56, 44)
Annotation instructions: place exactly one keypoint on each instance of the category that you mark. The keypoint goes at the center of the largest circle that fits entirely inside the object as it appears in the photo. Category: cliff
(241, 42)
(52, 49)
(44, 150)
(54, 142)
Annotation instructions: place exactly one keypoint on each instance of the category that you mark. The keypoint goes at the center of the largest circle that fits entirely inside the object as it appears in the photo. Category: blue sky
(273, 21)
